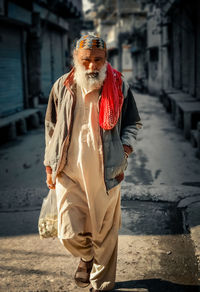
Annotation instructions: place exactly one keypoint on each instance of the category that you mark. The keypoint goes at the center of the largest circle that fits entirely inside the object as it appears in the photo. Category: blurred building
(156, 39)
(156, 45)
(35, 44)
(35, 49)
(88, 21)
(117, 22)
(173, 43)
(173, 54)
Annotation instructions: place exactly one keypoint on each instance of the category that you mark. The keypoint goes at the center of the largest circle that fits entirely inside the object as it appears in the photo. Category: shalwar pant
(88, 228)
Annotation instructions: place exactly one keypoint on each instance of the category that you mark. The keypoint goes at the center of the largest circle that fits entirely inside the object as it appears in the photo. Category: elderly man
(91, 126)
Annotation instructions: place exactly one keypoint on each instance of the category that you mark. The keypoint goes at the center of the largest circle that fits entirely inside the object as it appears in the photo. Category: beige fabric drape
(89, 218)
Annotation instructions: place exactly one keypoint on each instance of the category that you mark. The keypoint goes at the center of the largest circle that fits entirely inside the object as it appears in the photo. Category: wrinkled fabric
(88, 216)
(85, 158)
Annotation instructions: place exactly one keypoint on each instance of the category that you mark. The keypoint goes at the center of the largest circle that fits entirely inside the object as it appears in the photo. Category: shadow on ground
(154, 285)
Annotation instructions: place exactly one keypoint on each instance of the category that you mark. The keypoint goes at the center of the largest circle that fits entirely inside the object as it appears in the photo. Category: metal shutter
(46, 63)
(52, 59)
(11, 84)
(58, 62)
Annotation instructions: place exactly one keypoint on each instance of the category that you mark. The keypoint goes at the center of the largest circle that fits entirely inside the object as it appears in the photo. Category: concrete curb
(186, 197)
(192, 222)
(166, 193)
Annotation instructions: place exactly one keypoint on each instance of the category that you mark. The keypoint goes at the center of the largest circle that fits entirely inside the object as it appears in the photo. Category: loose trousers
(78, 236)
(88, 216)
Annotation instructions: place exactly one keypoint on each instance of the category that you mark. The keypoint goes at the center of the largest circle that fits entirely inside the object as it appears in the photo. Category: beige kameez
(89, 217)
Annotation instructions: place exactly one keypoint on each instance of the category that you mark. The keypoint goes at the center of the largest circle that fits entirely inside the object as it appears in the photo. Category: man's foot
(82, 274)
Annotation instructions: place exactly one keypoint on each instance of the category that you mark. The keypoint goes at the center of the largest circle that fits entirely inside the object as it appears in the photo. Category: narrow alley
(155, 45)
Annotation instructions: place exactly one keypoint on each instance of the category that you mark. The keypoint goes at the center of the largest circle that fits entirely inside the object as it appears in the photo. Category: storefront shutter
(46, 63)
(11, 84)
(58, 62)
(52, 59)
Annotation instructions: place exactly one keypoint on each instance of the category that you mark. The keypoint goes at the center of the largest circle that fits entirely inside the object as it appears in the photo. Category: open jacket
(58, 129)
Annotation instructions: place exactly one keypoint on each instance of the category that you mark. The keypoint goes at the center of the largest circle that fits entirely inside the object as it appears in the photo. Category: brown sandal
(82, 274)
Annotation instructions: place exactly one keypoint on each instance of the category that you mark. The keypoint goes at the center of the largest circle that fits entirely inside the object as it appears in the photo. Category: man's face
(90, 67)
(92, 60)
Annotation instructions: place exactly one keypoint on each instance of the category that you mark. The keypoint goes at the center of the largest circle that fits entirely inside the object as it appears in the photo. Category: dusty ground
(155, 254)
(148, 263)
(22, 161)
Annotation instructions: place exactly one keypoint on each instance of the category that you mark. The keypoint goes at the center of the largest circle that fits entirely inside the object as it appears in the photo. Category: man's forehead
(91, 53)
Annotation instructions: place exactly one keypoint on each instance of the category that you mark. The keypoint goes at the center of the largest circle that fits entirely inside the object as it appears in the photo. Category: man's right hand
(50, 182)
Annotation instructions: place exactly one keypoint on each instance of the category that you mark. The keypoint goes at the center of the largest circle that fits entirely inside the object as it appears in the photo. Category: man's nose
(92, 66)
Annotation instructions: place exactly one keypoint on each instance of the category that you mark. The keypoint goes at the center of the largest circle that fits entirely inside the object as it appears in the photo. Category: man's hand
(120, 177)
(50, 182)
(127, 150)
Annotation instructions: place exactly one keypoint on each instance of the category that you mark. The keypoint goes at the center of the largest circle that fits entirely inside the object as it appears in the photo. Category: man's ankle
(87, 260)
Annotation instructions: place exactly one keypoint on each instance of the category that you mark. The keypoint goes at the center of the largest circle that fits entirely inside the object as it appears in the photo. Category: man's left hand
(127, 150)
(120, 177)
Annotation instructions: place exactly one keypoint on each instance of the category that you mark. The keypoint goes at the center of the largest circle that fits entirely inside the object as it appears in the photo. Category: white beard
(89, 82)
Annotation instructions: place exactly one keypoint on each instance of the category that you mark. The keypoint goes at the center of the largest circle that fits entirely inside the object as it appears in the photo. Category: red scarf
(111, 98)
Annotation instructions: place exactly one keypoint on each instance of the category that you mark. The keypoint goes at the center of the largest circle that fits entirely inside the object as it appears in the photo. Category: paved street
(163, 156)
(156, 251)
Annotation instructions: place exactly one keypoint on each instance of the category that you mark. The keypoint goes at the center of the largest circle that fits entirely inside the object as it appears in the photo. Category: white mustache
(90, 71)
(92, 75)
